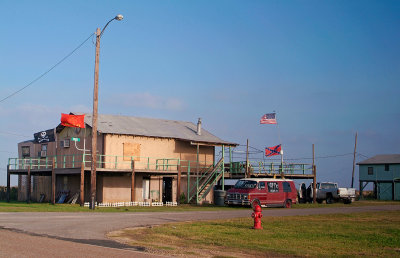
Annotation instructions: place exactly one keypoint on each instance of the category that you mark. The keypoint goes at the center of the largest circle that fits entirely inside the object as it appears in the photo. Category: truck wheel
(347, 201)
(288, 204)
(329, 199)
(254, 203)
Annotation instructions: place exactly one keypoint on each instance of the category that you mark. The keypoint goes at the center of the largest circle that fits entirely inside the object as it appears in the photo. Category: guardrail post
(73, 161)
(64, 158)
(116, 161)
(148, 163)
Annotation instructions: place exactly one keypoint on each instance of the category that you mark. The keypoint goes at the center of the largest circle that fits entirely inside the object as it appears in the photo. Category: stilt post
(133, 181)
(82, 196)
(178, 186)
(53, 183)
(188, 182)
(28, 186)
(8, 183)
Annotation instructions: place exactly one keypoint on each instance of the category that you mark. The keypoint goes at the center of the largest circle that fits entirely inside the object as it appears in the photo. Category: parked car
(348, 195)
(330, 192)
(265, 192)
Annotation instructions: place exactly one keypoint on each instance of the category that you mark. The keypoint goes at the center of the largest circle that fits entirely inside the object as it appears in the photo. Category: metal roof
(151, 127)
(382, 159)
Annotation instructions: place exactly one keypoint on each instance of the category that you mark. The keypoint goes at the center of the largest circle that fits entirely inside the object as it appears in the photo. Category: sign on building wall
(131, 149)
(44, 136)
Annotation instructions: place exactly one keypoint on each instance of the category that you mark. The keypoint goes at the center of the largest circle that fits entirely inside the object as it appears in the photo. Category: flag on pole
(73, 120)
(272, 151)
(268, 119)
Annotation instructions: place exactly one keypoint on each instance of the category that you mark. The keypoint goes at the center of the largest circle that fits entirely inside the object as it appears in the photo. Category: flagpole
(280, 142)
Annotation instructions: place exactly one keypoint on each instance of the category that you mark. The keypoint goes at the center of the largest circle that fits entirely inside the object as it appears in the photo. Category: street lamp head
(119, 17)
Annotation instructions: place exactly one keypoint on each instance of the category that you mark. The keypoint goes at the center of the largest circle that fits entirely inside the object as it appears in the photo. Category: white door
(146, 188)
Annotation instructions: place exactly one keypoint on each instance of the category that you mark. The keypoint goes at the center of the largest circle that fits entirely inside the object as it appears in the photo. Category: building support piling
(133, 181)
(178, 185)
(82, 196)
(53, 183)
(28, 186)
(8, 183)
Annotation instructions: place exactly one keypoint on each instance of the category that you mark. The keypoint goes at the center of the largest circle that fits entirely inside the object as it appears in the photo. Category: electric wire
(43, 74)
(14, 134)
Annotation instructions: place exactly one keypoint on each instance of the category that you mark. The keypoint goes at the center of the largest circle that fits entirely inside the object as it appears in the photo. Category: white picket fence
(129, 204)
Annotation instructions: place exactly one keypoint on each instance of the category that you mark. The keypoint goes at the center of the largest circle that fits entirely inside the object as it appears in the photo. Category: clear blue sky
(328, 68)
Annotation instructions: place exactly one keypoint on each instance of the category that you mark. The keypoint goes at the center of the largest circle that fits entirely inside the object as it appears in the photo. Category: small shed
(384, 172)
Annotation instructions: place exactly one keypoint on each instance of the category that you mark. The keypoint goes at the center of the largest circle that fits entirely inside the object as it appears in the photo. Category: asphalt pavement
(90, 228)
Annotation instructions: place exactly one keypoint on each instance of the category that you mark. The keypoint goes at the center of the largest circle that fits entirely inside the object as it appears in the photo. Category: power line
(7, 133)
(43, 74)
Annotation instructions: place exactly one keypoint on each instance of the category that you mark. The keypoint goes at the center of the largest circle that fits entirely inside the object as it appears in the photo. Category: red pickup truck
(265, 192)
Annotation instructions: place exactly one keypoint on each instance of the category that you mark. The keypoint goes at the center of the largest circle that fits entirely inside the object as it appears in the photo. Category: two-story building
(138, 159)
(384, 172)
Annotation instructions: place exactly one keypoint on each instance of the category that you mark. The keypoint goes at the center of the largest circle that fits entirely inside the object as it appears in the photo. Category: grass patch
(47, 207)
(358, 234)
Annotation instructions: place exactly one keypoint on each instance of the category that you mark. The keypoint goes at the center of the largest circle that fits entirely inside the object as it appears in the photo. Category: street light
(99, 33)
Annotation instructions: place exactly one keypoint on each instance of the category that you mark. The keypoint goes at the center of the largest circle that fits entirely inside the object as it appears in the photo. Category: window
(273, 187)
(261, 185)
(286, 187)
(370, 170)
(327, 186)
(26, 151)
(43, 152)
(245, 184)
(386, 167)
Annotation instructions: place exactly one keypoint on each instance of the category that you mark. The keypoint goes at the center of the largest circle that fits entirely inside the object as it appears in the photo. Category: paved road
(91, 228)
(14, 244)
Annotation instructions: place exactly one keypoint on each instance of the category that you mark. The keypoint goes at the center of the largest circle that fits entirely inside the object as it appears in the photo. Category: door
(385, 191)
(274, 196)
(146, 188)
(167, 189)
(396, 191)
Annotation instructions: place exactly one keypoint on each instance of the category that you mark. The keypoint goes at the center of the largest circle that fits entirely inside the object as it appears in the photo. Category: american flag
(268, 119)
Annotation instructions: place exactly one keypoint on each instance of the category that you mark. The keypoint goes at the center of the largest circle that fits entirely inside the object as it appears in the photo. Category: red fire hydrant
(257, 215)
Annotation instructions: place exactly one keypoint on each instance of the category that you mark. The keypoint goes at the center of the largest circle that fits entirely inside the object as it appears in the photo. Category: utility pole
(95, 114)
(94, 123)
(247, 159)
(354, 162)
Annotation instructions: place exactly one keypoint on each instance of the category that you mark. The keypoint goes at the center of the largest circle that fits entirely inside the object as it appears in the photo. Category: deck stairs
(205, 182)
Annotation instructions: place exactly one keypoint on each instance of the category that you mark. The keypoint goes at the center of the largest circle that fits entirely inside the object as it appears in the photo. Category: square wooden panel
(131, 149)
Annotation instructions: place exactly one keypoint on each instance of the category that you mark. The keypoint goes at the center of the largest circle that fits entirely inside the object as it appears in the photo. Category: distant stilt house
(138, 159)
(384, 172)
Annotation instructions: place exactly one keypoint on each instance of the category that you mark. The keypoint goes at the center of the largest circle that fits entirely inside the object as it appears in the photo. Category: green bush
(182, 198)
(13, 193)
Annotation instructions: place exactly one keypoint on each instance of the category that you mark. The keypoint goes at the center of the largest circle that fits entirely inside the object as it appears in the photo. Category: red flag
(268, 119)
(73, 120)
(271, 151)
